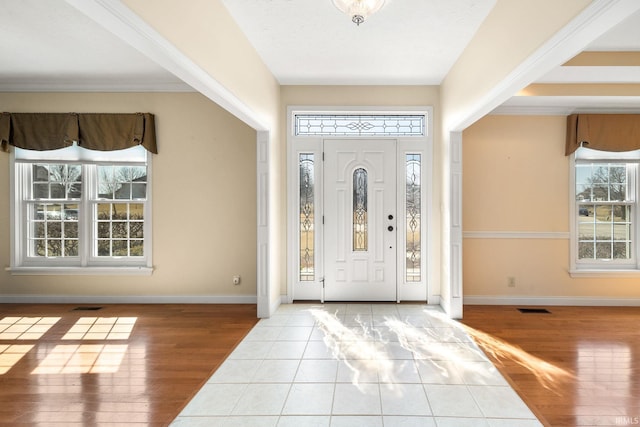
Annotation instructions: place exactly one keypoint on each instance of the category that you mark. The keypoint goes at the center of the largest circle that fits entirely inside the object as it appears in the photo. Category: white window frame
(85, 263)
(605, 268)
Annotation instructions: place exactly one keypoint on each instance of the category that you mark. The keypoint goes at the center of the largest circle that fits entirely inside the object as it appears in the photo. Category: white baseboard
(568, 301)
(135, 299)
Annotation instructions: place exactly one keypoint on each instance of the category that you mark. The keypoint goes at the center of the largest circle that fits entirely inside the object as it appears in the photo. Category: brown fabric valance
(38, 131)
(108, 132)
(605, 132)
(95, 131)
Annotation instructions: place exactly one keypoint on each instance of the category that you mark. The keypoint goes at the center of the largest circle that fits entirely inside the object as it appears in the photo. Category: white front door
(360, 220)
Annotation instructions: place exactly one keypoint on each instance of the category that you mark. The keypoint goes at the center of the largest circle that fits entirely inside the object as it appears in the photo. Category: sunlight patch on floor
(546, 373)
(11, 354)
(25, 328)
(82, 359)
(101, 328)
(353, 343)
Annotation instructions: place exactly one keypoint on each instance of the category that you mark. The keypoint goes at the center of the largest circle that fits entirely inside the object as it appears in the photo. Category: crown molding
(560, 110)
(523, 110)
(93, 86)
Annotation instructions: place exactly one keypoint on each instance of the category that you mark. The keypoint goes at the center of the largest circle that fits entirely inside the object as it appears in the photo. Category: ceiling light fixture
(359, 10)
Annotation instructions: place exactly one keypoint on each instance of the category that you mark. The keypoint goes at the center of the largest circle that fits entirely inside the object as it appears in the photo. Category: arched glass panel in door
(360, 210)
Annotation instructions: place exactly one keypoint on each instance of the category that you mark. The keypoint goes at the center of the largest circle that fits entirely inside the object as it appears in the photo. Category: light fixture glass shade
(359, 10)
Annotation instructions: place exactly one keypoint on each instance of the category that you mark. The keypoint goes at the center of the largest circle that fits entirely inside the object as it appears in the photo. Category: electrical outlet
(511, 282)
(236, 280)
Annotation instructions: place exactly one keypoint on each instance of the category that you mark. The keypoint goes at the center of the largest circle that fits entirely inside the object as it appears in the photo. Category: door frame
(425, 290)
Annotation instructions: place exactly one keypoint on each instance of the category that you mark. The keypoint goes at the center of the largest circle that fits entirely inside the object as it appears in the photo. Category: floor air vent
(534, 310)
(87, 308)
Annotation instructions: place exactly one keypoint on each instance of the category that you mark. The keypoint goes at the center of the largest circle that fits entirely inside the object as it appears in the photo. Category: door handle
(390, 228)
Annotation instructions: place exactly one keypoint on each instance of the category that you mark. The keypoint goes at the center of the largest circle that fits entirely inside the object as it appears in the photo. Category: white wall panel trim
(562, 235)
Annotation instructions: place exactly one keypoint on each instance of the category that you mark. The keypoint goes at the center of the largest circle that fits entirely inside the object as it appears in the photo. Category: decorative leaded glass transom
(360, 125)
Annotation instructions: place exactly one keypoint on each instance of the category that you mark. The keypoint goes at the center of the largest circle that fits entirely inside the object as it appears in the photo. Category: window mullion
(147, 225)
(632, 191)
(86, 226)
(23, 187)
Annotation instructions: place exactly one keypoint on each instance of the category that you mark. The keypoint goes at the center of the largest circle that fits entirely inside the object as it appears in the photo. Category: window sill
(595, 273)
(80, 271)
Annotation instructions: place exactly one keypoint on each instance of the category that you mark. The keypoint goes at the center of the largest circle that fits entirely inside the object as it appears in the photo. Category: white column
(455, 226)
(262, 279)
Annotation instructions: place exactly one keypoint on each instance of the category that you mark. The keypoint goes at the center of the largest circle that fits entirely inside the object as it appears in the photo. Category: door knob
(390, 228)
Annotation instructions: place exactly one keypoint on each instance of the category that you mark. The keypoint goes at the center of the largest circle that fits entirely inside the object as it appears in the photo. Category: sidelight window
(413, 218)
(307, 217)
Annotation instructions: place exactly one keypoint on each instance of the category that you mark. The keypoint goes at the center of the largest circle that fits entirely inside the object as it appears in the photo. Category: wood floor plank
(578, 365)
(143, 378)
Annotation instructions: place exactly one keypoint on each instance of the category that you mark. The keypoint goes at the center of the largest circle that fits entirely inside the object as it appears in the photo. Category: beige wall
(516, 179)
(204, 199)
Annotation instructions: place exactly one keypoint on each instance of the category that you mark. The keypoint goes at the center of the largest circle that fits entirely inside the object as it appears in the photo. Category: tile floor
(360, 365)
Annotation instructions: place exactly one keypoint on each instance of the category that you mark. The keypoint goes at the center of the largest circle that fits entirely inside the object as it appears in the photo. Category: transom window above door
(360, 125)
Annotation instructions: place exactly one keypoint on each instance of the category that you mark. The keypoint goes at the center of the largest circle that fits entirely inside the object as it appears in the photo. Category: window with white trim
(606, 210)
(79, 208)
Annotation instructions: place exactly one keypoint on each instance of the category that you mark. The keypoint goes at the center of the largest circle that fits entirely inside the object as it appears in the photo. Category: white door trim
(428, 290)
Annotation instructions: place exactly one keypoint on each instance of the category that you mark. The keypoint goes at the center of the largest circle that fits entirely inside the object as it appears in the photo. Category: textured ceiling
(49, 45)
(406, 42)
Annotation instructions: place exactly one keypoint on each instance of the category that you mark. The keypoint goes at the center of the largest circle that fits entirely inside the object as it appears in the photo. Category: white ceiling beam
(122, 22)
(599, 17)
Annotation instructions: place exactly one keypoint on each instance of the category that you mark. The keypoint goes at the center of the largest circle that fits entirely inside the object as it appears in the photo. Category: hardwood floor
(573, 366)
(121, 364)
(141, 364)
